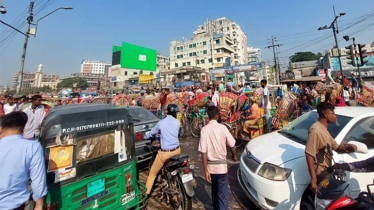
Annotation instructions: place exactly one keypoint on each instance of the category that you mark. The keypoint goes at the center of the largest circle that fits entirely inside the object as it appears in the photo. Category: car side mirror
(361, 147)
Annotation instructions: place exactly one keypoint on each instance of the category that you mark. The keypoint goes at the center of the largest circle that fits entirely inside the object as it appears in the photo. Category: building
(254, 55)
(215, 44)
(203, 50)
(91, 79)
(95, 67)
(331, 61)
(36, 80)
(135, 65)
(232, 30)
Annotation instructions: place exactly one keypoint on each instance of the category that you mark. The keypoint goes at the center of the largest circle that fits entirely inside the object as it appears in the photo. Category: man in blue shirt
(169, 128)
(20, 160)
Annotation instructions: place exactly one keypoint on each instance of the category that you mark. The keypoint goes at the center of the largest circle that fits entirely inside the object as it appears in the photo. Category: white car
(273, 171)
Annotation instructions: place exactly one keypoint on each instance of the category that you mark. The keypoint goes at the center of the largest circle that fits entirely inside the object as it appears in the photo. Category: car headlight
(273, 172)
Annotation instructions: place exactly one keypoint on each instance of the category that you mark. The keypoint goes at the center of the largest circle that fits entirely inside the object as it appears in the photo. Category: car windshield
(140, 114)
(298, 129)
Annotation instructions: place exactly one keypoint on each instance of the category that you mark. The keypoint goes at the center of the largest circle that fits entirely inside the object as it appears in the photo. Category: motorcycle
(330, 193)
(174, 184)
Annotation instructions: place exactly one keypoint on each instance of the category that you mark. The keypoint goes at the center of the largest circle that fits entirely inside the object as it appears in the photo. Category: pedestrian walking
(20, 161)
(163, 96)
(213, 141)
(346, 96)
(35, 114)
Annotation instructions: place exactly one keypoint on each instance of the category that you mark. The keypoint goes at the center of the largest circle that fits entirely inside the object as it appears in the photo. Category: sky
(90, 30)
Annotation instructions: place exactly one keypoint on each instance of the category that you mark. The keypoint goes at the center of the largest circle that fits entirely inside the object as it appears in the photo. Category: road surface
(202, 198)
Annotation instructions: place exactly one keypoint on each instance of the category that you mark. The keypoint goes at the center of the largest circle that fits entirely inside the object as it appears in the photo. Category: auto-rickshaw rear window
(79, 145)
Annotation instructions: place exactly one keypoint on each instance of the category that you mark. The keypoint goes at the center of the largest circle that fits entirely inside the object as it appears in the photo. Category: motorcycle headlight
(273, 172)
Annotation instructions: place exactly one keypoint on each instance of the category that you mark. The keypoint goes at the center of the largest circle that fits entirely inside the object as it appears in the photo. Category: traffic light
(350, 55)
(362, 53)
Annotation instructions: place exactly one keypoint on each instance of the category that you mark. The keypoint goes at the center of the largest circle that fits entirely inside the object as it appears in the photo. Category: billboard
(135, 57)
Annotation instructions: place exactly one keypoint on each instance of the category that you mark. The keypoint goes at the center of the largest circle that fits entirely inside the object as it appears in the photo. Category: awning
(313, 78)
(291, 80)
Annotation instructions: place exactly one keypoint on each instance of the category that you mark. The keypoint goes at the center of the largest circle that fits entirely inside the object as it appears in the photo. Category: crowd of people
(21, 156)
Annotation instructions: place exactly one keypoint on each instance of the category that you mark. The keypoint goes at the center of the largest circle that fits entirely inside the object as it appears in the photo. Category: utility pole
(20, 74)
(335, 30)
(276, 67)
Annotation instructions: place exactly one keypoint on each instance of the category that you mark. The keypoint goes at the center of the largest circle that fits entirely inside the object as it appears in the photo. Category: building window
(202, 61)
(218, 50)
(217, 41)
(190, 46)
(197, 61)
(114, 84)
(219, 59)
(188, 63)
(179, 56)
(135, 73)
(194, 45)
(176, 64)
(184, 64)
(205, 52)
(194, 53)
(190, 54)
(125, 73)
(204, 42)
(210, 60)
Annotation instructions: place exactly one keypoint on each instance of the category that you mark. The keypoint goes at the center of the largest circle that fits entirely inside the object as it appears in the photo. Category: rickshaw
(90, 158)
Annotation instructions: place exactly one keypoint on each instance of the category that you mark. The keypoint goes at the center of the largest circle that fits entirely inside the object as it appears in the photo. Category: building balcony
(221, 55)
(224, 46)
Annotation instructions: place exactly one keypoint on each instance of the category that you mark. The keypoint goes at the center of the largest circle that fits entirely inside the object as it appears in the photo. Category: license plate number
(95, 187)
(187, 177)
(128, 197)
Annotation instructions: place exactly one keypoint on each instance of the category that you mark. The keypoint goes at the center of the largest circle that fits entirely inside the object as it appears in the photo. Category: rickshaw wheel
(195, 127)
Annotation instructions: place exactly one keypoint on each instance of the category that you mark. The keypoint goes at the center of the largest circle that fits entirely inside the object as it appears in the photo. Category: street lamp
(335, 31)
(36, 25)
(28, 32)
(2, 9)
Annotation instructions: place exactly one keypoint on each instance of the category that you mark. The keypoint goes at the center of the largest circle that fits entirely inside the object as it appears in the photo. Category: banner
(145, 79)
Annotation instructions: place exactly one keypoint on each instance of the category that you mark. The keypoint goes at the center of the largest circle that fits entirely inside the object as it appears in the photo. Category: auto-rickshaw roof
(83, 117)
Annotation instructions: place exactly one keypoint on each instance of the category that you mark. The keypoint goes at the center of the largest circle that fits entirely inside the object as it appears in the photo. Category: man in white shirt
(10, 106)
(35, 114)
(346, 96)
(215, 97)
(266, 103)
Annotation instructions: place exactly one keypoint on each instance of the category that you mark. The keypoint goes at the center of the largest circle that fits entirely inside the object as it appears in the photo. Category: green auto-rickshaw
(90, 158)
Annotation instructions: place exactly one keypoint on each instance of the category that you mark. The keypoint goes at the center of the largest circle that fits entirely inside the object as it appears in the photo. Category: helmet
(172, 110)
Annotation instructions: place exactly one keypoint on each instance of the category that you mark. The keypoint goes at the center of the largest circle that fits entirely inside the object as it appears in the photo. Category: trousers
(220, 191)
(161, 158)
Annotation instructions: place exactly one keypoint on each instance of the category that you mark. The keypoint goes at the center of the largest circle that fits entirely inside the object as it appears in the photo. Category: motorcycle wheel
(185, 201)
(195, 127)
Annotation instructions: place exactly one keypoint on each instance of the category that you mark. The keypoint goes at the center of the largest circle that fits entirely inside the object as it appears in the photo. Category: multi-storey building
(203, 50)
(95, 67)
(215, 44)
(232, 30)
(120, 77)
(37, 79)
(254, 55)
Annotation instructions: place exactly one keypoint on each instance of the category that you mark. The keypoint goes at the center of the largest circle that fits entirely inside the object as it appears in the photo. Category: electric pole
(276, 67)
(20, 74)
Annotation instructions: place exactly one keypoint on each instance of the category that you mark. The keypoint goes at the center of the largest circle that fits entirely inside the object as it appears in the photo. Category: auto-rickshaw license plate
(95, 187)
(187, 177)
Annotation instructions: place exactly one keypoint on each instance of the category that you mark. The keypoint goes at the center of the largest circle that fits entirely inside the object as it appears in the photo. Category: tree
(34, 90)
(69, 83)
(305, 56)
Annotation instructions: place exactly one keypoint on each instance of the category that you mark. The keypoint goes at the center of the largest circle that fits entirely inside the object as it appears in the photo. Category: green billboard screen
(137, 57)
